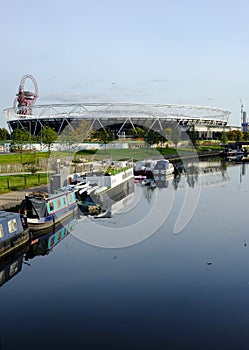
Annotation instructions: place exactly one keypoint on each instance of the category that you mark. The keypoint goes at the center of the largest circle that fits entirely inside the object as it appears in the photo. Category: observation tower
(25, 99)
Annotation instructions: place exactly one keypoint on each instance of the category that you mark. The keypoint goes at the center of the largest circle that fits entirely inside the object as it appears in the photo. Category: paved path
(11, 199)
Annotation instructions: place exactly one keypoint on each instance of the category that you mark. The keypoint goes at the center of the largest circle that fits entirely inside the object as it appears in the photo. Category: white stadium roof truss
(121, 113)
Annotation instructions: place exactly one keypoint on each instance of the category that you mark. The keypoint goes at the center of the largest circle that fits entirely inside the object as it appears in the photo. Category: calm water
(150, 277)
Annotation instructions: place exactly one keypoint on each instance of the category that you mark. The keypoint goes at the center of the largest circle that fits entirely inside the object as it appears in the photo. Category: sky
(192, 52)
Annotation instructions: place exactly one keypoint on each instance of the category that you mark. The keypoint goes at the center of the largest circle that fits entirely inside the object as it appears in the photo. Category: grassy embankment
(141, 153)
(18, 182)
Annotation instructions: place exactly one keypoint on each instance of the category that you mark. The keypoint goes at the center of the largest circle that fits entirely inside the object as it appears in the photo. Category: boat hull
(51, 220)
(12, 233)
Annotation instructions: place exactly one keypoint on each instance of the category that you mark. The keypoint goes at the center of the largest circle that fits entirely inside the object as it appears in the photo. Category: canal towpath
(12, 199)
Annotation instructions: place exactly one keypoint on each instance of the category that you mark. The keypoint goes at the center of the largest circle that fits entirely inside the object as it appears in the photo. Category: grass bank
(128, 153)
(20, 182)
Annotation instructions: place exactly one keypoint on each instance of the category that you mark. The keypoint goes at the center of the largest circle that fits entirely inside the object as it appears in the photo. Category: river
(168, 270)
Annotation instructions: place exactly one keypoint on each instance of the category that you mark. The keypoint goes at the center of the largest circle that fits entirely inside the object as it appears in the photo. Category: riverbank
(13, 199)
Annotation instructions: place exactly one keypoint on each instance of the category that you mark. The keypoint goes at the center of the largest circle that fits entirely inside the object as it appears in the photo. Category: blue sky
(160, 51)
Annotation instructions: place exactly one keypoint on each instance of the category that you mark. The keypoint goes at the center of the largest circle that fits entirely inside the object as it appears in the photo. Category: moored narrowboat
(42, 210)
(13, 233)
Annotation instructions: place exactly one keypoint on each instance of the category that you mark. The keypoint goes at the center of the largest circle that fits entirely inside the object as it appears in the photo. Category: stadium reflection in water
(169, 292)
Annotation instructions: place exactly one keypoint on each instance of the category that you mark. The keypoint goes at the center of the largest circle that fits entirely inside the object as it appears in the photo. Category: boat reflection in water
(45, 243)
(105, 204)
(11, 265)
(203, 173)
(195, 174)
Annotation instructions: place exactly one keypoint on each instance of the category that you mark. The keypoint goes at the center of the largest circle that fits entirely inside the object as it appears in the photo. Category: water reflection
(43, 244)
(169, 292)
(108, 203)
(11, 265)
(123, 201)
(204, 173)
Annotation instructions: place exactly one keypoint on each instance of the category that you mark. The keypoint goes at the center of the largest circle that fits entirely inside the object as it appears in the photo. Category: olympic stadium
(120, 118)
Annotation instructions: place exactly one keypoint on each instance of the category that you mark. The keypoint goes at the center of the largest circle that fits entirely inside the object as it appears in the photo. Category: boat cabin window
(12, 225)
(58, 203)
(51, 206)
(52, 240)
(13, 268)
(64, 201)
(1, 230)
(59, 235)
(2, 276)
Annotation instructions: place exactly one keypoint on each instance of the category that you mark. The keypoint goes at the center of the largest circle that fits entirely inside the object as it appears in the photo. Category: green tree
(151, 137)
(246, 136)
(235, 135)
(105, 136)
(48, 136)
(83, 130)
(175, 135)
(224, 137)
(140, 132)
(19, 138)
(193, 135)
(4, 134)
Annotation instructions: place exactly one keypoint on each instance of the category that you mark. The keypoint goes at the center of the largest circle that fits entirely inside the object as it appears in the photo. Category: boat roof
(8, 215)
(47, 196)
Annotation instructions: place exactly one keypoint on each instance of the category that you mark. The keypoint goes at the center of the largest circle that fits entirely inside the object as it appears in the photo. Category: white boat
(153, 167)
(163, 167)
(81, 185)
(92, 189)
(100, 189)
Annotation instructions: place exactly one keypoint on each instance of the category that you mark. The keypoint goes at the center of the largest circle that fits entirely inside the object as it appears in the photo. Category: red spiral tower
(26, 99)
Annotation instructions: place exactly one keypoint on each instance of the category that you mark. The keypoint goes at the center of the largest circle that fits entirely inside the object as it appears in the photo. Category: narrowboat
(13, 232)
(42, 210)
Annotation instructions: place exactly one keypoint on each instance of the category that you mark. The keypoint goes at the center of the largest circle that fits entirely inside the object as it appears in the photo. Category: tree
(83, 130)
(151, 137)
(105, 136)
(193, 135)
(139, 132)
(246, 136)
(48, 136)
(224, 137)
(20, 137)
(4, 134)
(175, 135)
(235, 135)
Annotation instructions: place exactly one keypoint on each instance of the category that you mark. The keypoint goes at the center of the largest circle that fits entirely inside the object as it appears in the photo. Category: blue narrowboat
(42, 210)
(13, 233)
